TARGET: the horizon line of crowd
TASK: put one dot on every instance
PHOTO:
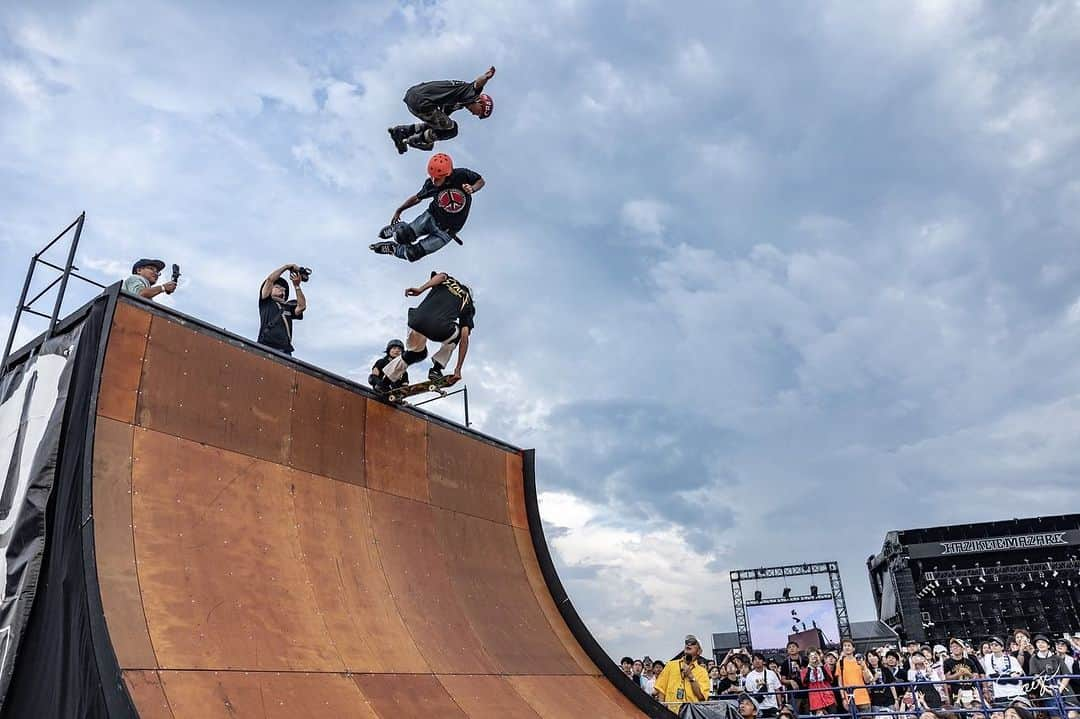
(1020, 678)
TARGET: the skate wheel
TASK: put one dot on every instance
(393, 398)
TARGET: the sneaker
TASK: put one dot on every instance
(397, 134)
(388, 232)
(383, 248)
(435, 373)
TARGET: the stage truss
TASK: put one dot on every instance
(835, 593)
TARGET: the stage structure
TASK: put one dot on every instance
(765, 580)
(976, 580)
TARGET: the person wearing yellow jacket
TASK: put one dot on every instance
(684, 679)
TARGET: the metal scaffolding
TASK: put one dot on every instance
(835, 593)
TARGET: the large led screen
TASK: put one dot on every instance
(771, 624)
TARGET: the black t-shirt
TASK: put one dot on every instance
(450, 204)
(447, 95)
(792, 668)
(949, 666)
(275, 323)
(728, 686)
(380, 364)
(880, 694)
(1025, 660)
(446, 307)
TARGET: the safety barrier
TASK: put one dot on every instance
(1044, 696)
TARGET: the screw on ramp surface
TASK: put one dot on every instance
(272, 543)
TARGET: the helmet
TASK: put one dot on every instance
(439, 166)
(395, 343)
(486, 105)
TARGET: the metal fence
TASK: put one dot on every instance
(1042, 695)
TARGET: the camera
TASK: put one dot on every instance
(304, 272)
(175, 272)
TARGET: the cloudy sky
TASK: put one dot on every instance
(759, 281)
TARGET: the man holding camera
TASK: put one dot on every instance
(763, 684)
(851, 671)
(1006, 671)
(144, 275)
(276, 311)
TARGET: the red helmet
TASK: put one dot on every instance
(486, 105)
(440, 165)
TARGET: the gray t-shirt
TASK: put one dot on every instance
(135, 284)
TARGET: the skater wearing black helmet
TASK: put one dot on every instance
(433, 102)
(451, 190)
(394, 348)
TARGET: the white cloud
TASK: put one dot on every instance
(774, 256)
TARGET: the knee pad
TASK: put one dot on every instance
(411, 357)
(404, 233)
(446, 134)
(422, 141)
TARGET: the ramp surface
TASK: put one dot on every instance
(274, 543)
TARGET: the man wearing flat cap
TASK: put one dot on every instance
(685, 678)
(1047, 668)
(144, 275)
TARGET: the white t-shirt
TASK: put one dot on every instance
(752, 685)
(135, 284)
(1005, 664)
(648, 683)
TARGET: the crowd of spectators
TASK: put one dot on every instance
(1022, 677)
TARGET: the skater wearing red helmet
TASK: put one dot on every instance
(432, 103)
(451, 190)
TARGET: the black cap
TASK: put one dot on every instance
(156, 264)
(1042, 637)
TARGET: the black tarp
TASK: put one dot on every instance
(712, 710)
(55, 673)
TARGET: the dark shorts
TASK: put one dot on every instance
(432, 328)
(433, 115)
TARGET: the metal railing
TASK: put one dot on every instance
(1049, 699)
(66, 271)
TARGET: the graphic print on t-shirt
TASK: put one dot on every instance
(449, 202)
(452, 200)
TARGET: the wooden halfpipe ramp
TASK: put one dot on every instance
(271, 541)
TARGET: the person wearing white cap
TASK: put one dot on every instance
(1005, 670)
(685, 678)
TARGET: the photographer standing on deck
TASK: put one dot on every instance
(144, 275)
(276, 311)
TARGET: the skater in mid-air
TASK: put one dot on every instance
(433, 102)
(451, 190)
(445, 316)
(394, 348)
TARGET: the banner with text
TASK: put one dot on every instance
(1039, 540)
